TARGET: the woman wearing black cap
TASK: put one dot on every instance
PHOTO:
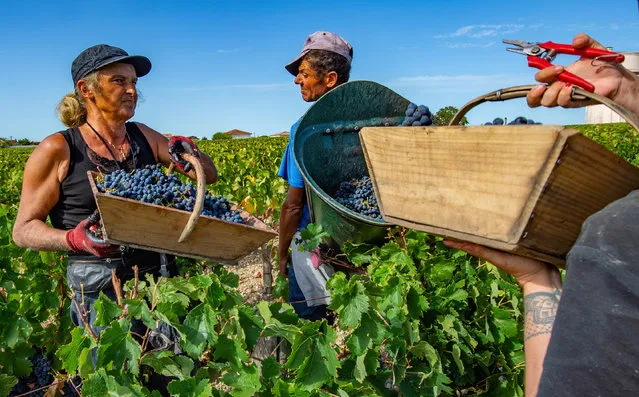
(98, 138)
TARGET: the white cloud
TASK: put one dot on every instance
(480, 31)
(222, 51)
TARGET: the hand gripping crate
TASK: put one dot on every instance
(523, 189)
(162, 229)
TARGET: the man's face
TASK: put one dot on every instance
(311, 87)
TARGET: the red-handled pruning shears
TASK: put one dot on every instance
(541, 55)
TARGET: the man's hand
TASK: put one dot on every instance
(607, 78)
(178, 145)
(79, 240)
(284, 260)
(525, 270)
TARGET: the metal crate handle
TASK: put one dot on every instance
(199, 197)
(521, 91)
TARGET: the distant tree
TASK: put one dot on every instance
(204, 138)
(24, 141)
(446, 114)
(221, 135)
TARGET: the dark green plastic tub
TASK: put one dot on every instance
(327, 150)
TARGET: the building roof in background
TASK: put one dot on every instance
(283, 133)
(238, 132)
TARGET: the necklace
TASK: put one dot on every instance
(104, 141)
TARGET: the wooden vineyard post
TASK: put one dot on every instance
(267, 272)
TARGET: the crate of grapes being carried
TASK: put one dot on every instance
(328, 153)
(173, 217)
(525, 189)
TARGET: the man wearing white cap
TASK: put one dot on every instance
(323, 64)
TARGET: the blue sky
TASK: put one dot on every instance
(219, 65)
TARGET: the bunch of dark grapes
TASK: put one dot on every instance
(151, 185)
(417, 115)
(517, 121)
(358, 195)
(40, 377)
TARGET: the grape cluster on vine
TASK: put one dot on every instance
(40, 377)
(517, 121)
(151, 185)
(417, 115)
(358, 195)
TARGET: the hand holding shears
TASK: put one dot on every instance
(541, 55)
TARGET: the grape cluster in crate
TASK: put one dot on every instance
(417, 115)
(517, 121)
(151, 185)
(358, 195)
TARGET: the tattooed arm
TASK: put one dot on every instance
(541, 299)
(541, 284)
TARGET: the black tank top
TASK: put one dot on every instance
(76, 200)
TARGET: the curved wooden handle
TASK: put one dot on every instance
(199, 198)
(522, 90)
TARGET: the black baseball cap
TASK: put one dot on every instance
(101, 55)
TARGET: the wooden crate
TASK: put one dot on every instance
(522, 189)
(156, 228)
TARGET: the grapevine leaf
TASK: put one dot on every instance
(166, 364)
(17, 362)
(70, 354)
(359, 254)
(17, 331)
(370, 331)
(228, 349)
(271, 369)
(504, 321)
(312, 236)
(457, 358)
(448, 325)
(199, 329)
(274, 321)
(281, 287)
(252, 325)
(106, 310)
(360, 369)
(138, 309)
(117, 346)
(48, 257)
(6, 384)
(348, 299)
(215, 294)
(245, 381)
(85, 362)
(191, 387)
(99, 384)
(318, 359)
(458, 295)
(424, 350)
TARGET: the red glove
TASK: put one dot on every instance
(179, 145)
(81, 240)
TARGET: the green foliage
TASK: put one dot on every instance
(621, 138)
(221, 136)
(445, 115)
(421, 319)
(247, 170)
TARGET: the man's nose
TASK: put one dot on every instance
(298, 80)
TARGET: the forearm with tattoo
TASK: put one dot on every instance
(541, 310)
